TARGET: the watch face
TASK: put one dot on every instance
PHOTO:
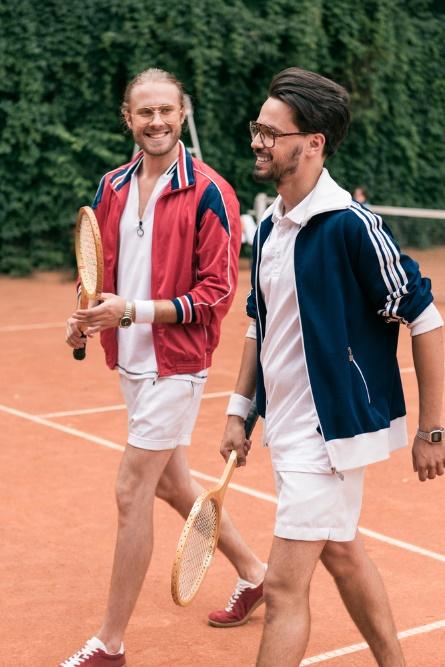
(436, 436)
(125, 322)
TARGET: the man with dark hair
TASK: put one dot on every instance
(329, 290)
(170, 230)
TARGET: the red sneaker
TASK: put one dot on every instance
(245, 599)
(93, 654)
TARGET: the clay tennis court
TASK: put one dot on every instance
(63, 427)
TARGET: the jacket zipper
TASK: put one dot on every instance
(257, 278)
(205, 350)
(333, 468)
(353, 361)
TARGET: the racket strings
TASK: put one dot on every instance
(87, 245)
(198, 549)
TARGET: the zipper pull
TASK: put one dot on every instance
(155, 379)
(140, 229)
(350, 355)
(338, 473)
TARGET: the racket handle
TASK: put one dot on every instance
(80, 352)
(251, 419)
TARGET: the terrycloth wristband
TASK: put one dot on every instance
(238, 405)
(251, 331)
(145, 311)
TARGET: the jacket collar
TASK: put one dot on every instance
(183, 171)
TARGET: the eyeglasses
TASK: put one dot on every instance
(268, 134)
(166, 111)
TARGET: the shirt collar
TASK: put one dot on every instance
(326, 196)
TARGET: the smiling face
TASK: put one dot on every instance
(155, 116)
(277, 163)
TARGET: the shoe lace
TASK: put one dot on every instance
(79, 657)
(239, 589)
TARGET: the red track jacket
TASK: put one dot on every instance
(195, 248)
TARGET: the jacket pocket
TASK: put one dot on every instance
(363, 379)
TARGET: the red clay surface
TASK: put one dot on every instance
(58, 518)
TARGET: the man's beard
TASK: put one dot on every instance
(277, 172)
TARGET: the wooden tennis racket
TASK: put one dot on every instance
(90, 263)
(199, 537)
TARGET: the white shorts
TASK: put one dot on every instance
(313, 506)
(161, 415)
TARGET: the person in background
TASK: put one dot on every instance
(361, 196)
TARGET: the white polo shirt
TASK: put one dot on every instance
(291, 418)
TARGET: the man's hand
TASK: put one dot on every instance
(234, 438)
(73, 334)
(105, 316)
(428, 460)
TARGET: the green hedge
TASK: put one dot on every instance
(64, 66)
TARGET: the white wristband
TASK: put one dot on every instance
(251, 331)
(145, 311)
(238, 405)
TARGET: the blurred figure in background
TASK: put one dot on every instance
(360, 194)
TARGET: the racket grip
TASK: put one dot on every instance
(80, 352)
(251, 419)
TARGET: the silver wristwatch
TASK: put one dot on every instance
(434, 437)
(128, 317)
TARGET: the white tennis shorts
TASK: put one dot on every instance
(314, 506)
(161, 414)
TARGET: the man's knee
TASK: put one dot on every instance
(281, 591)
(342, 559)
(134, 487)
(126, 493)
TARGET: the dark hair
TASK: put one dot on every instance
(319, 104)
(151, 75)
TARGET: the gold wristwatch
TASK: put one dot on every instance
(129, 315)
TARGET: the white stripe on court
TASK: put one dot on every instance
(118, 406)
(402, 545)
(84, 411)
(354, 648)
(60, 427)
(236, 487)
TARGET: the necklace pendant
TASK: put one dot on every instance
(140, 231)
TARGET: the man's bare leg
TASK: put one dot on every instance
(180, 490)
(365, 598)
(286, 590)
(138, 476)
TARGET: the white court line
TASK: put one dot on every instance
(31, 327)
(322, 657)
(354, 648)
(118, 406)
(236, 487)
(60, 427)
(84, 411)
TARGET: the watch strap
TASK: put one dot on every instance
(129, 312)
(435, 436)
